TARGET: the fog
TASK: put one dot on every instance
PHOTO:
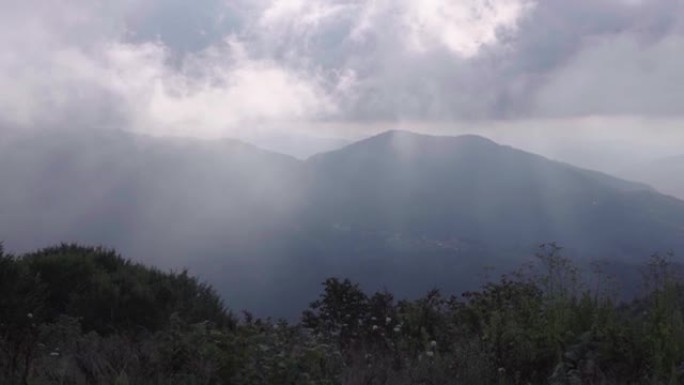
(266, 228)
(178, 133)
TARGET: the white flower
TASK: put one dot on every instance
(375, 327)
(388, 320)
(54, 354)
(29, 315)
(397, 329)
(433, 344)
(430, 353)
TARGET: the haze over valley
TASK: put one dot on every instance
(398, 210)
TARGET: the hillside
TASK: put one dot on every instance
(470, 188)
(399, 210)
(666, 174)
(145, 195)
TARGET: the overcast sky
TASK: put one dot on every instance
(216, 68)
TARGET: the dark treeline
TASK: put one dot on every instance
(79, 315)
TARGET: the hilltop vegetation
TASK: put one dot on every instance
(79, 315)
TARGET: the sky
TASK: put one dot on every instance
(344, 68)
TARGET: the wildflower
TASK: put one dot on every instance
(388, 320)
(397, 329)
(29, 315)
(433, 344)
(375, 327)
(430, 353)
(54, 354)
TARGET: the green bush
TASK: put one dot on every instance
(78, 315)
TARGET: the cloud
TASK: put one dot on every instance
(462, 27)
(74, 73)
(219, 89)
(219, 67)
(450, 61)
(619, 76)
(408, 60)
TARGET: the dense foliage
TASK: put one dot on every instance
(75, 315)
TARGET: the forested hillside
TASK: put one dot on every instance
(80, 315)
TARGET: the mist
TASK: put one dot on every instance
(188, 136)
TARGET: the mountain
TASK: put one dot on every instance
(399, 210)
(470, 188)
(174, 202)
(665, 174)
(436, 210)
(298, 145)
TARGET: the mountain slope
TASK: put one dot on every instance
(666, 175)
(141, 194)
(470, 188)
(404, 211)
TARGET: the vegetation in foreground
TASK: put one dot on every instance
(78, 315)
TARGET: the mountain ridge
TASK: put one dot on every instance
(402, 210)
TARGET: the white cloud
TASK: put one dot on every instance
(620, 76)
(51, 76)
(291, 60)
(269, 63)
(212, 93)
(464, 27)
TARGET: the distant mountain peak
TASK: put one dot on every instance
(410, 143)
(399, 137)
(396, 134)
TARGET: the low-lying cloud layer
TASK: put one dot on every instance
(223, 68)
